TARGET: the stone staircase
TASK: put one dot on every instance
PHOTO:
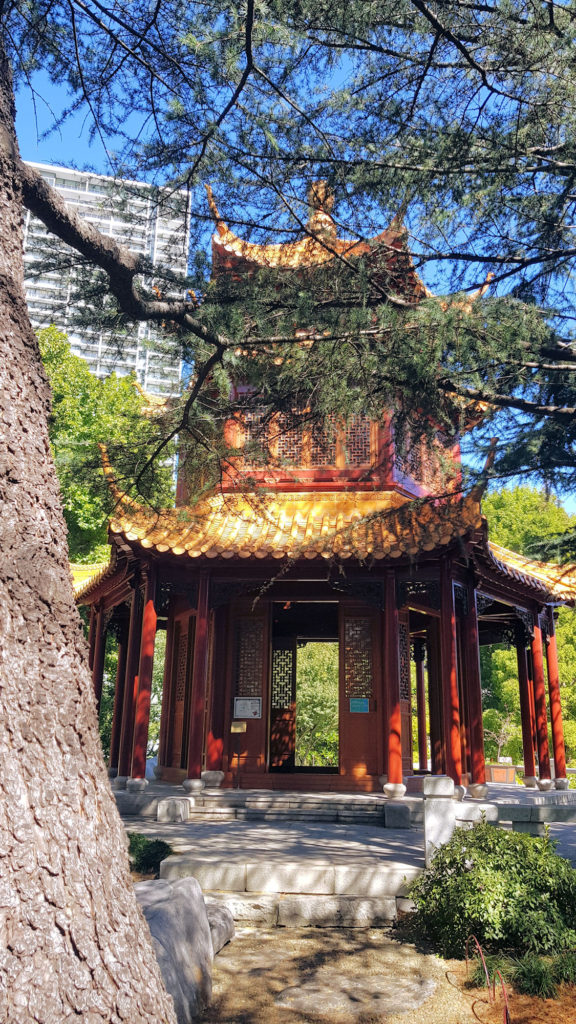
(301, 893)
(274, 806)
(288, 859)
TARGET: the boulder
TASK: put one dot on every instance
(181, 937)
(221, 924)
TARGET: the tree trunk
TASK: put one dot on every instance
(73, 944)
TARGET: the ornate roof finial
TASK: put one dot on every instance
(320, 222)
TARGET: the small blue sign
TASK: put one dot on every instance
(359, 705)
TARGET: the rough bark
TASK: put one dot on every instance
(73, 943)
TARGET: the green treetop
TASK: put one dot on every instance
(86, 412)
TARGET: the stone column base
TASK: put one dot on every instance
(545, 785)
(530, 781)
(193, 785)
(561, 783)
(478, 790)
(394, 790)
(136, 785)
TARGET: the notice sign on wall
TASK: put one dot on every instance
(247, 707)
(359, 705)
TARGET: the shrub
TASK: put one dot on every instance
(146, 854)
(510, 890)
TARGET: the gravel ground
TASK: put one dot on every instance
(350, 976)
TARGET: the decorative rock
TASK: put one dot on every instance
(136, 785)
(212, 779)
(545, 785)
(178, 923)
(438, 785)
(221, 924)
(394, 790)
(530, 782)
(193, 785)
(561, 783)
(478, 790)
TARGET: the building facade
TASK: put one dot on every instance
(134, 214)
(340, 539)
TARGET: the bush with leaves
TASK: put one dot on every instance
(510, 890)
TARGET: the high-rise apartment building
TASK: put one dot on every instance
(147, 221)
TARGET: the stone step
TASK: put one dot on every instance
(272, 910)
(375, 879)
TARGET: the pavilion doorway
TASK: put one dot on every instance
(305, 686)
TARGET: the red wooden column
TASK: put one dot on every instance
(118, 699)
(450, 702)
(392, 675)
(167, 694)
(199, 682)
(525, 686)
(540, 702)
(92, 635)
(142, 708)
(130, 683)
(555, 705)
(473, 685)
(99, 654)
(419, 656)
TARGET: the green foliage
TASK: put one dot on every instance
(508, 889)
(145, 854)
(564, 965)
(317, 705)
(520, 517)
(88, 411)
(534, 975)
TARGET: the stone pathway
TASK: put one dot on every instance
(340, 976)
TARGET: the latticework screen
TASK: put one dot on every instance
(249, 657)
(358, 657)
(427, 461)
(404, 645)
(181, 662)
(282, 693)
(357, 442)
(323, 445)
(289, 442)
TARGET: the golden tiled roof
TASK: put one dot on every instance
(366, 525)
(84, 577)
(558, 580)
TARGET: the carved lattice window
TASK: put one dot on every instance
(358, 657)
(357, 442)
(181, 662)
(404, 652)
(256, 435)
(323, 445)
(426, 460)
(249, 657)
(289, 443)
(282, 693)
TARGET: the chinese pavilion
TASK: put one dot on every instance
(333, 543)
